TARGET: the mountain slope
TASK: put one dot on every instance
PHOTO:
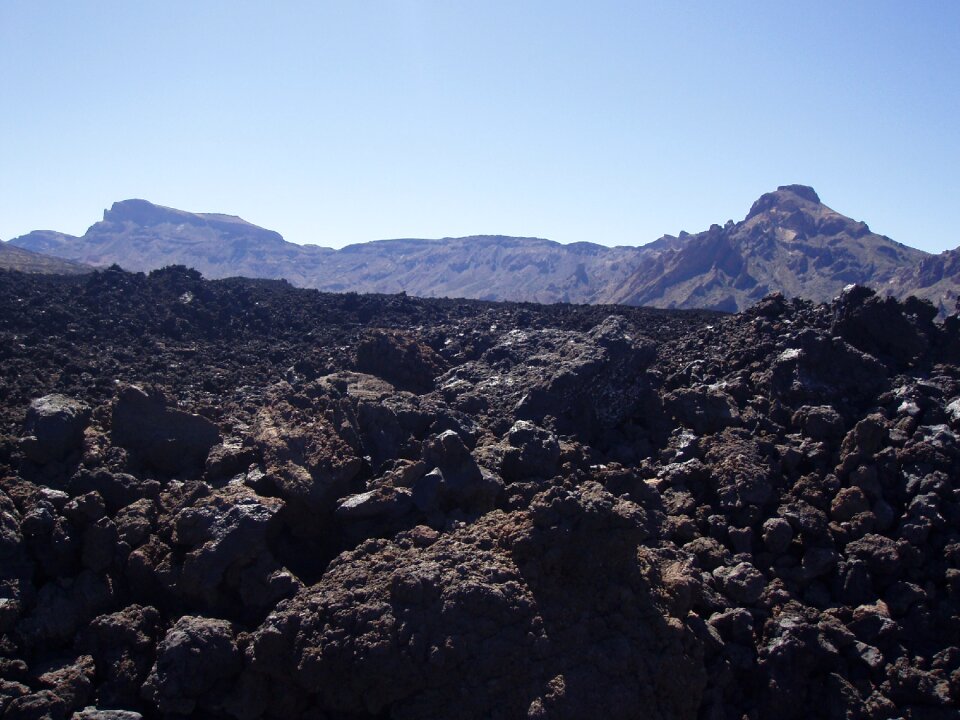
(789, 242)
(935, 278)
(141, 236)
(16, 258)
(487, 267)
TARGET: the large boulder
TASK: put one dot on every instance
(307, 461)
(584, 382)
(196, 665)
(400, 359)
(879, 326)
(63, 609)
(228, 566)
(702, 409)
(532, 451)
(821, 368)
(71, 681)
(54, 428)
(122, 644)
(455, 480)
(163, 438)
(544, 613)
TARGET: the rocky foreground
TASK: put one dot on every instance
(236, 499)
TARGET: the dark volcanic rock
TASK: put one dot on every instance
(531, 452)
(456, 480)
(92, 713)
(163, 438)
(196, 660)
(122, 644)
(517, 511)
(225, 539)
(590, 380)
(116, 489)
(402, 361)
(881, 326)
(477, 612)
(54, 428)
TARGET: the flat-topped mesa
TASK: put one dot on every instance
(144, 214)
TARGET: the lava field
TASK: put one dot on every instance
(236, 500)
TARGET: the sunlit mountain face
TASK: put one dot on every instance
(789, 242)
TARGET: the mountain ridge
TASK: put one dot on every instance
(789, 241)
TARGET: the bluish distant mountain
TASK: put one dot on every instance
(789, 242)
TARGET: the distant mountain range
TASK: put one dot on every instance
(788, 242)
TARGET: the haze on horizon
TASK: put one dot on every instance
(336, 123)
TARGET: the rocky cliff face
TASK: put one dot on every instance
(238, 500)
(789, 242)
(935, 278)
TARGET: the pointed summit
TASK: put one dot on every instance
(790, 242)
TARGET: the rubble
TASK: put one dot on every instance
(273, 503)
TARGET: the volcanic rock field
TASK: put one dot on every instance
(236, 499)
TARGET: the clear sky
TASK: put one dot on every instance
(611, 122)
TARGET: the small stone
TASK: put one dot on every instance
(777, 535)
(818, 561)
(381, 502)
(847, 503)
(742, 583)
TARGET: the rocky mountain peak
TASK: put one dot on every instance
(786, 198)
(804, 191)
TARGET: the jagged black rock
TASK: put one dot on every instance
(236, 499)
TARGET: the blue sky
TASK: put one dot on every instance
(611, 122)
